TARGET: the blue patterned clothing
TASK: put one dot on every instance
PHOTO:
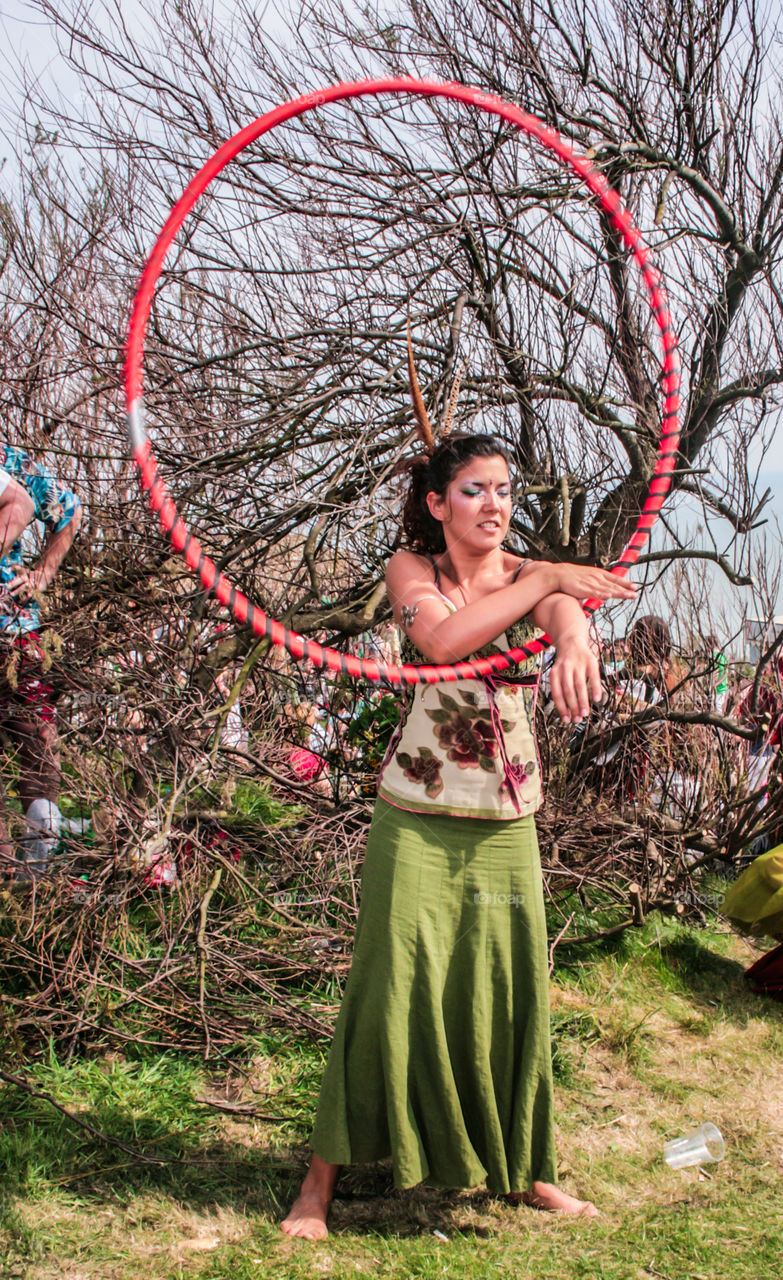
(54, 505)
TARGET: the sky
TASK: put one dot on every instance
(28, 37)
(32, 39)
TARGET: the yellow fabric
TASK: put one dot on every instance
(754, 903)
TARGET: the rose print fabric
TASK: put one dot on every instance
(467, 747)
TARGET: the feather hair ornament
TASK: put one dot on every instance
(423, 425)
(453, 396)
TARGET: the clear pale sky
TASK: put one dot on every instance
(32, 39)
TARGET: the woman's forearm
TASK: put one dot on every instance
(482, 621)
(562, 618)
(450, 639)
(575, 675)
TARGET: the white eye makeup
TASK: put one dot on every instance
(471, 492)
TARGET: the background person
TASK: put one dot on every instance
(649, 660)
(759, 754)
(29, 492)
(643, 680)
(718, 674)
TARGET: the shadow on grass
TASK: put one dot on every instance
(715, 981)
(366, 1202)
(685, 959)
(40, 1149)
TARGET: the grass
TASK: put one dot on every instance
(653, 1033)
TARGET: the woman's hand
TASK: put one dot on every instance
(575, 674)
(584, 581)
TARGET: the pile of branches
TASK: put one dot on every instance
(220, 897)
(277, 399)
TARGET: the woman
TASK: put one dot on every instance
(649, 645)
(645, 680)
(441, 1054)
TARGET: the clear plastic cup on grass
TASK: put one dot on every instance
(702, 1146)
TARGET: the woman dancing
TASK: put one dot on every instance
(441, 1055)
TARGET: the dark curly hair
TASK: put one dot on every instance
(649, 641)
(434, 473)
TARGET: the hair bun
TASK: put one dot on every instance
(413, 464)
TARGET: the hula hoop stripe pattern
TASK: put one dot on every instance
(186, 543)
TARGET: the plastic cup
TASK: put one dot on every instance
(700, 1147)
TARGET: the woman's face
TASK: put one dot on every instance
(476, 508)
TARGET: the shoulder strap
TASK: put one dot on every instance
(519, 567)
(437, 570)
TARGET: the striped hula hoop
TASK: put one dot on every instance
(184, 542)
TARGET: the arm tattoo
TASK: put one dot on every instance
(408, 613)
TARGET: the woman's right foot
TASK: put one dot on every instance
(307, 1216)
(544, 1195)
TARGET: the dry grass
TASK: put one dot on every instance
(653, 1036)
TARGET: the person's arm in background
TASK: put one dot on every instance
(16, 511)
(56, 546)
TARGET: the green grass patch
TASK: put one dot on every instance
(652, 1034)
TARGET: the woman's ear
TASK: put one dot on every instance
(435, 505)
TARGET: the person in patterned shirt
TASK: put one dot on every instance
(28, 492)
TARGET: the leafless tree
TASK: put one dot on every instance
(276, 390)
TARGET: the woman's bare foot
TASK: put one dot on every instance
(546, 1196)
(307, 1216)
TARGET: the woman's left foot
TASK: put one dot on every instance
(544, 1195)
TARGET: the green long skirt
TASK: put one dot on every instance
(441, 1056)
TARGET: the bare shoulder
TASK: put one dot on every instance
(406, 568)
(416, 603)
(521, 566)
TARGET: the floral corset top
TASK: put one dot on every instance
(468, 747)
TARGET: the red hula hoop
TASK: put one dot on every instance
(187, 544)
